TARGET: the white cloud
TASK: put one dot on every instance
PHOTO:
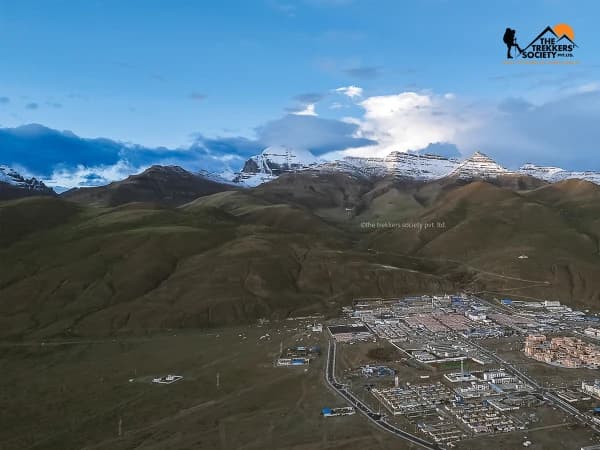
(408, 121)
(561, 132)
(90, 176)
(350, 91)
(587, 88)
(309, 110)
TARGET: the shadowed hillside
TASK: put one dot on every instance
(295, 246)
(165, 185)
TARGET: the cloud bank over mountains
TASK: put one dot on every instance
(561, 132)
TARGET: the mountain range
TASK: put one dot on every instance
(404, 165)
(171, 249)
(172, 185)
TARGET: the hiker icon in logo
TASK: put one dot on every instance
(511, 41)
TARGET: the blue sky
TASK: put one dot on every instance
(181, 73)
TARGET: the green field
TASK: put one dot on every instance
(72, 395)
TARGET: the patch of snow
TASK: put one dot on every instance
(479, 165)
(555, 174)
(12, 177)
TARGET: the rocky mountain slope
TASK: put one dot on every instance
(478, 166)
(272, 162)
(14, 185)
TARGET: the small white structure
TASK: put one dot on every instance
(167, 379)
(457, 377)
(523, 257)
(476, 316)
(592, 332)
(592, 388)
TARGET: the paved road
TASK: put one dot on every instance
(364, 409)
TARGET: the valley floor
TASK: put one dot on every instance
(72, 395)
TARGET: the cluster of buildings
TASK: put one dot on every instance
(564, 351)
(350, 333)
(549, 316)
(439, 352)
(413, 398)
(432, 330)
(491, 382)
(391, 329)
(444, 432)
(299, 355)
(377, 371)
(438, 410)
(481, 418)
(439, 316)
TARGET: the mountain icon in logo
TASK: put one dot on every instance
(559, 32)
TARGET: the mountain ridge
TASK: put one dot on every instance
(14, 185)
(166, 185)
(408, 165)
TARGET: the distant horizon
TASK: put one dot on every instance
(177, 158)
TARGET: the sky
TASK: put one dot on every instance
(207, 84)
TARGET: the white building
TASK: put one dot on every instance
(592, 388)
(476, 316)
(592, 332)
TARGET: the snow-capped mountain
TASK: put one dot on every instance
(479, 165)
(14, 185)
(419, 166)
(399, 164)
(225, 177)
(554, 174)
(274, 161)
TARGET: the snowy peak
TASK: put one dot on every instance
(275, 160)
(14, 185)
(272, 162)
(10, 176)
(555, 174)
(419, 166)
(479, 165)
(14, 178)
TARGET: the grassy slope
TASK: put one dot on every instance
(139, 268)
(236, 256)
